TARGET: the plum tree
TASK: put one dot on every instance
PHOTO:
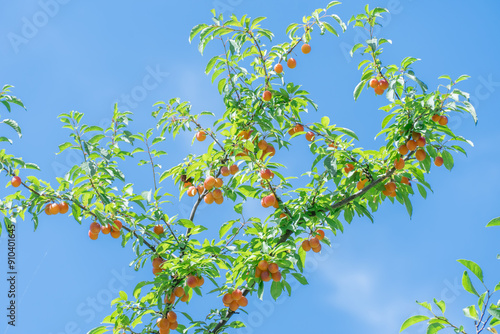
(263, 113)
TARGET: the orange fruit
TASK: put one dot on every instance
(270, 200)
(405, 180)
(200, 280)
(314, 242)
(201, 135)
(420, 155)
(361, 184)
(348, 167)
(373, 83)
(403, 150)
(310, 136)
(291, 63)
(443, 120)
(278, 68)
(225, 171)
(169, 299)
(421, 142)
(95, 228)
(306, 48)
(276, 276)
(234, 169)
(219, 200)
(171, 316)
(321, 234)
(209, 198)
(16, 181)
(227, 299)
(271, 150)
(192, 281)
(265, 174)
(273, 268)
(436, 118)
(179, 292)
(262, 145)
(115, 234)
(217, 194)
(63, 207)
(54, 209)
(173, 325)
(265, 276)
(243, 301)
(379, 90)
(306, 245)
(263, 265)
(93, 236)
(298, 128)
(163, 323)
(383, 84)
(258, 272)
(234, 305)
(47, 209)
(317, 249)
(158, 229)
(118, 226)
(237, 294)
(411, 145)
(390, 186)
(438, 161)
(399, 163)
(157, 261)
(192, 191)
(267, 96)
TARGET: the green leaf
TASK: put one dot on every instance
(434, 328)
(13, 124)
(462, 77)
(470, 108)
(276, 289)
(3, 139)
(347, 131)
(98, 330)
(422, 190)
(299, 277)
(89, 168)
(448, 160)
(473, 267)
(123, 295)
(186, 223)
(330, 164)
(426, 305)
(494, 310)
(238, 208)
(467, 284)
(196, 29)
(471, 312)
(325, 120)
(441, 304)
(359, 89)
(64, 146)
(412, 321)
(225, 228)
(494, 222)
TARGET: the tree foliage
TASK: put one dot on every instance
(262, 118)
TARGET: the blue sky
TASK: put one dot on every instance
(86, 56)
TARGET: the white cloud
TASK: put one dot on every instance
(361, 292)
